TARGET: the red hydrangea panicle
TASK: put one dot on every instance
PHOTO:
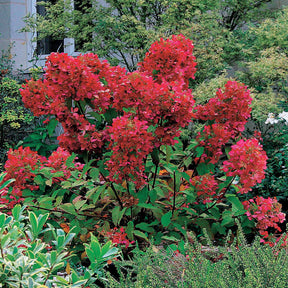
(165, 105)
(213, 138)
(9, 201)
(71, 78)
(266, 212)
(34, 96)
(57, 161)
(205, 187)
(118, 237)
(248, 161)
(130, 145)
(79, 134)
(22, 165)
(170, 60)
(230, 107)
(111, 76)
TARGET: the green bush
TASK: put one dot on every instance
(27, 261)
(237, 265)
(15, 119)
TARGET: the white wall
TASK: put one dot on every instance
(11, 15)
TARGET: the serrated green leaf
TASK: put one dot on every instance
(140, 234)
(117, 215)
(166, 219)
(69, 208)
(94, 174)
(236, 203)
(144, 227)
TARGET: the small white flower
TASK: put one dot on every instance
(284, 116)
(271, 119)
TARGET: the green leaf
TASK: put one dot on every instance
(2, 220)
(51, 126)
(141, 235)
(69, 208)
(110, 114)
(129, 230)
(169, 151)
(217, 227)
(145, 227)
(146, 205)
(117, 214)
(227, 218)
(69, 161)
(236, 203)
(204, 224)
(166, 219)
(94, 174)
(17, 212)
(199, 151)
(204, 168)
(155, 156)
(143, 195)
(6, 183)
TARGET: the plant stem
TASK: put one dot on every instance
(155, 174)
(114, 190)
(174, 193)
(196, 167)
(220, 197)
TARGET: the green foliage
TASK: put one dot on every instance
(275, 182)
(91, 205)
(6, 62)
(236, 265)
(14, 118)
(13, 113)
(27, 261)
(42, 139)
(123, 31)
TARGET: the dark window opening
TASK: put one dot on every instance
(82, 7)
(48, 45)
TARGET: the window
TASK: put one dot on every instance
(48, 44)
(42, 48)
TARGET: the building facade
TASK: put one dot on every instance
(12, 13)
(11, 21)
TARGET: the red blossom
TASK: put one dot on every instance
(213, 138)
(166, 106)
(229, 108)
(118, 237)
(266, 212)
(205, 186)
(170, 60)
(22, 165)
(57, 161)
(130, 144)
(248, 161)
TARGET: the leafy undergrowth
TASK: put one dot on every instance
(238, 265)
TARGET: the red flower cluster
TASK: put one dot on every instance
(118, 237)
(165, 105)
(57, 161)
(24, 164)
(267, 213)
(170, 60)
(229, 111)
(130, 144)
(213, 138)
(205, 187)
(248, 161)
(229, 108)
(69, 80)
